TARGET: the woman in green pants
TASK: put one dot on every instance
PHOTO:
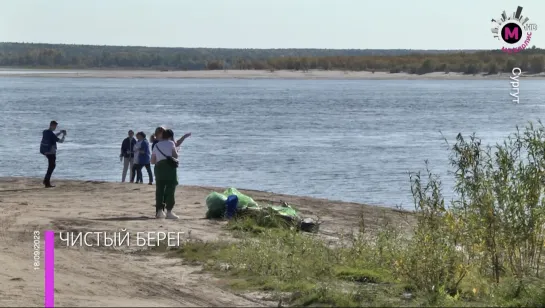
(166, 177)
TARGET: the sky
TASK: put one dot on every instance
(335, 24)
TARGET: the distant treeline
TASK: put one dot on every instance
(394, 61)
(92, 56)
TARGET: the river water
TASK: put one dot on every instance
(346, 140)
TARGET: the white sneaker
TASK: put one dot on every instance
(160, 214)
(171, 215)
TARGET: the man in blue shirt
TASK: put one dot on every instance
(48, 147)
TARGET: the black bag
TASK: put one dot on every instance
(45, 145)
(171, 160)
(44, 148)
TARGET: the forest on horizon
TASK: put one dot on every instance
(33, 55)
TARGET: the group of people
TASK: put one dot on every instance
(136, 153)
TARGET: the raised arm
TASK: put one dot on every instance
(55, 137)
(179, 142)
(61, 140)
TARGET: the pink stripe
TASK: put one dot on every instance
(49, 269)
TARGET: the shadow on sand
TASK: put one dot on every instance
(41, 187)
(124, 218)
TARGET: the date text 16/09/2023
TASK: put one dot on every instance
(36, 251)
(108, 239)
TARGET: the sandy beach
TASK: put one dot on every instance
(130, 276)
(251, 74)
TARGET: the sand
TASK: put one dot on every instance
(130, 276)
(251, 74)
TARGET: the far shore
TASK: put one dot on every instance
(252, 74)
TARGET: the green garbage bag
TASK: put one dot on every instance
(286, 211)
(279, 216)
(216, 205)
(243, 200)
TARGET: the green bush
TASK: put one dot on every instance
(485, 248)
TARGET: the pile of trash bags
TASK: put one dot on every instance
(232, 203)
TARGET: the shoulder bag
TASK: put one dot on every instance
(172, 161)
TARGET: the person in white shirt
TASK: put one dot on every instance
(166, 176)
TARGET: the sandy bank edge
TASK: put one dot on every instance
(253, 74)
(18, 180)
(123, 277)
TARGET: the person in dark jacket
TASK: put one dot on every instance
(143, 158)
(145, 152)
(48, 147)
(127, 155)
